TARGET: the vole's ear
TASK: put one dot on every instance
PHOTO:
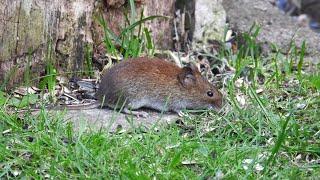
(187, 77)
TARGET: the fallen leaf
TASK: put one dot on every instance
(260, 90)
(189, 162)
(239, 82)
(241, 99)
(6, 131)
(258, 167)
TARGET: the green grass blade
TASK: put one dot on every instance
(281, 138)
(132, 26)
(301, 59)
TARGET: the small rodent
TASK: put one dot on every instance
(157, 84)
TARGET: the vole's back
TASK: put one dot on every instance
(137, 81)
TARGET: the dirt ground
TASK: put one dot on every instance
(276, 27)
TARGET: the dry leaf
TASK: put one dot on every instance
(260, 90)
(24, 91)
(239, 82)
(173, 146)
(241, 99)
(6, 131)
(189, 162)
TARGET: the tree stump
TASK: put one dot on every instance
(28, 28)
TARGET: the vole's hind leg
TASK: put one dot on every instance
(132, 106)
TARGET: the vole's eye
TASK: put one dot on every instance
(210, 93)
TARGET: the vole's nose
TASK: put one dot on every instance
(219, 103)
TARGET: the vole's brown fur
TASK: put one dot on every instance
(156, 84)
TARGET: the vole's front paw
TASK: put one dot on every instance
(141, 114)
(136, 113)
(181, 114)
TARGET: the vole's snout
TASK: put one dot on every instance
(216, 105)
(219, 103)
